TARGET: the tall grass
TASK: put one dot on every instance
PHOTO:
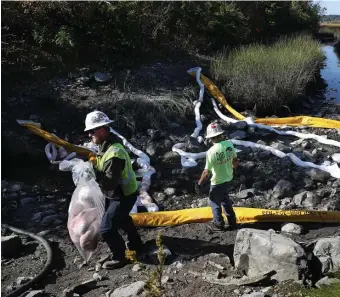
(268, 76)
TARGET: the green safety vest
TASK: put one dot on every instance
(128, 177)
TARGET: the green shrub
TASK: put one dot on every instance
(268, 76)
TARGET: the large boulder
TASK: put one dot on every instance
(282, 189)
(328, 252)
(259, 251)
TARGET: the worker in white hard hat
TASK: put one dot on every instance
(221, 160)
(118, 182)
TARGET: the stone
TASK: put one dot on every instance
(299, 198)
(326, 281)
(37, 216)
(130, 290)
(85, 286)
(10, 245)
(35, 293)
(311, 200)
(136, 267)
(153, 254)
(102, 77)
(170, 191)
(254, 294)
(96, 276)
(264, 155)
(328, 252)
(23, 280)
(317, 174)
(26, 200)
(152, 149)
(68, 292)
(49, 220)
(281, 147)
(170, 155)
(258, 251)
(282, 189)
(239, 125)
(291, 228)
(203, 202)
(246, 193)
(258, 185)
(238, 135)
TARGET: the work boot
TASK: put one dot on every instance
(115, 264)
(217, 227)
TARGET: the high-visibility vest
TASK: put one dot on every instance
(128, 177)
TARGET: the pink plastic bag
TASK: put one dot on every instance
(86, 207)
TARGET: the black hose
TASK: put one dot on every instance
(46, 268)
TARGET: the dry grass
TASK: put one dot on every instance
(268, 76)
(332, 25)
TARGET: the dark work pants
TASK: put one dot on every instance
(218, 198)
(116, 217)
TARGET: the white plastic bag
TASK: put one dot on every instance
(86, 208)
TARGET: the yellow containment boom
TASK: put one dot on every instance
(244, 215)
(203, 214)
(290, 121)
(84, 152)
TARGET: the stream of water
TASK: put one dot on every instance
(331, 73)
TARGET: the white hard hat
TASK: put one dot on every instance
(213, 130)
(96, 119)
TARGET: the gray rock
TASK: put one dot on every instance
(130, 290)
(317, 174)
(326, 281)
(264, 155)
(247, 291)
(171, 155)
(237, 291)
(238, 135)
(174, 125)
(239, 125)
(37, 217)
(254, 294)
(282, 188)
(168, 144)
(328, 252)
(291, 228)
(102, 77)
(258, 185)
(281, 147)
(160, 197)
(49, 220)
(23, 280)
(203, 202)
(96, 276)
(35, 293)
(257, 251)
(27, 200)
(261, 142)
(311, 200)
(299, 198)
(153, 254)
(152, 149)
(136, 267)
(85, 286)
(170, 191)
(246, 193)
(10, 245)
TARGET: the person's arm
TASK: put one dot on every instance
(206, 171)
(204, 176)
(109, 178)
(235, 163)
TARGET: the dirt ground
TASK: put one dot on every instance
(192, 246)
